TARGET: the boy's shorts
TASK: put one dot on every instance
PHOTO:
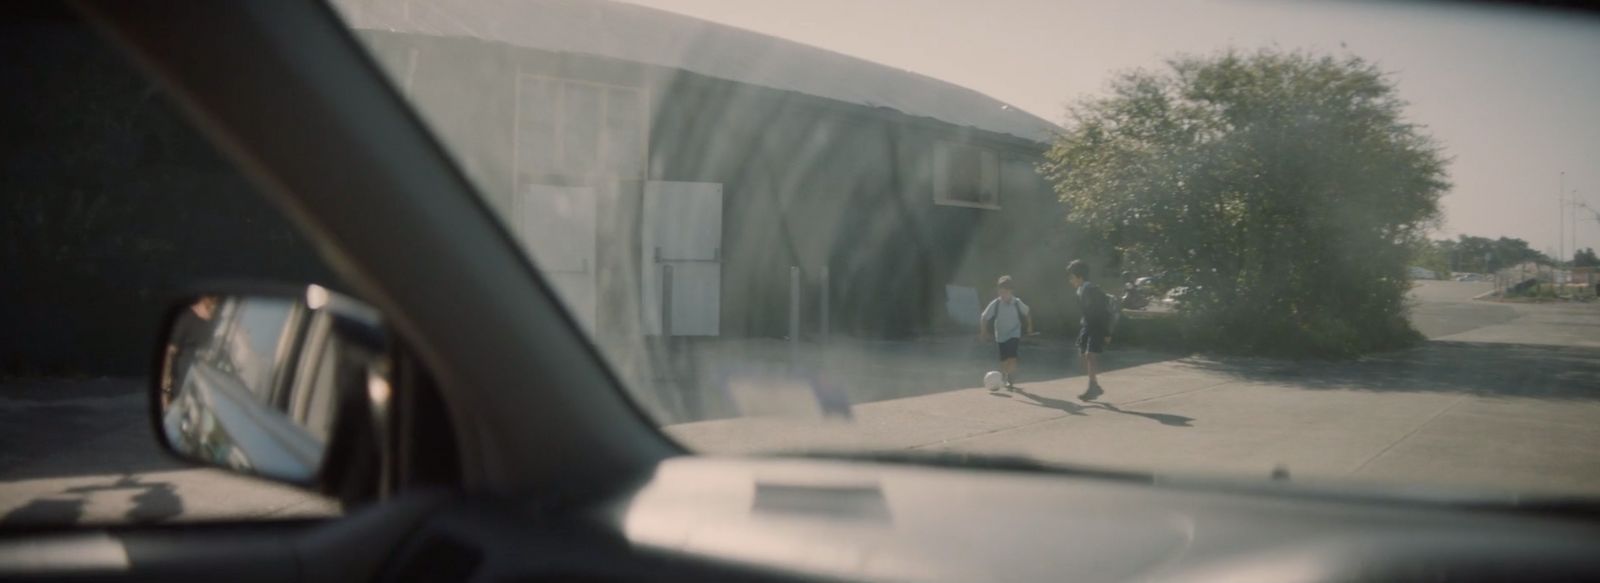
(1008, 349)
(1091, 342)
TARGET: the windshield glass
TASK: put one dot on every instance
(1344, 242)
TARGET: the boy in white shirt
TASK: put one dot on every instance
(1004, 320)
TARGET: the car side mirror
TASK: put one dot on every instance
(288, 385)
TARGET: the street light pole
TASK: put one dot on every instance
(1561, 224)
(1561, 233)
(1572, 220)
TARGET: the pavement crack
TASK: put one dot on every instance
(989, 432)
(1408, 434)
(1179, 393)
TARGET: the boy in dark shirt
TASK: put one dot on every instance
(190, 335)
(1094, 330)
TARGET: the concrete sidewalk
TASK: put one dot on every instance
(705, 371)
(1509, 405)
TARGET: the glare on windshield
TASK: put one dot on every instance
(1328, 241)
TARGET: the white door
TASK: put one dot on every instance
(682, 230)
(556, 225)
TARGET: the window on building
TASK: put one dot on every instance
(624, 132)
(575, 128)
(966, 175)
(538, 138)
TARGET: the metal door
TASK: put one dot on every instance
(682, 258)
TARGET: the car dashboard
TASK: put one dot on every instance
(778, 519)
(809, 520)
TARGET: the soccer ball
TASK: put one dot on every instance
(993, 380)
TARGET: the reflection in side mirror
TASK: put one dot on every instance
(262, 384)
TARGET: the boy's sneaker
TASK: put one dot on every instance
(1093, 393)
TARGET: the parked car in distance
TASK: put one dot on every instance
(1158, 283)
(1178, 294)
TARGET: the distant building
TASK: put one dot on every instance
(624, 142)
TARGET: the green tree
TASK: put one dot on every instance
(1288, 187)
(1585, 258)
(1484, 255)
(1434, 256)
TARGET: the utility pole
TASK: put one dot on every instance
(1561, 232)
(1572, 219)
(1584, 205)
(1561, 224)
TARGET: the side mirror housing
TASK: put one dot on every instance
(290, 385)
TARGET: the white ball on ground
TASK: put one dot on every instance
(993, 380)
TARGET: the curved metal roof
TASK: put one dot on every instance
(645, 35)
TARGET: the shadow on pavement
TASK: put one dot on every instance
(153, 502)
(1477, 368)
(45, 511)
(860, 371)
(1073, 408)
(1038, 400)
(1162, 418)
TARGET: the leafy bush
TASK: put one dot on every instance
(1150, 330)
(1286, 190)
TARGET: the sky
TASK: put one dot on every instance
(1513, 96)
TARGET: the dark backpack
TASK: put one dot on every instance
(1101, 301)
